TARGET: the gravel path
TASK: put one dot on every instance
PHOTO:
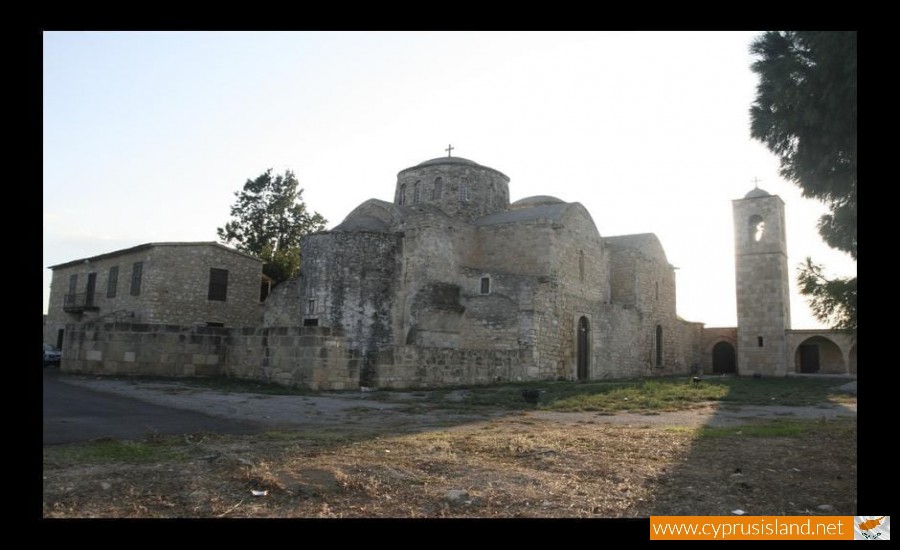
(363, 410)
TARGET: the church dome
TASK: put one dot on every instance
(448, 160)
(536, 200)
(459, 187)
(756, 193)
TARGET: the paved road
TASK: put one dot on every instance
(73, 414)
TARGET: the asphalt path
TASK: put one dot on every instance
(74, 414)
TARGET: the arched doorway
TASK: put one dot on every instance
(584, 331)
(819, 355)
(724, 359)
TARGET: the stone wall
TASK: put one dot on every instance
(349, 282)
(309, 357)
(406, 367)
(625, 349)
(144, 349)
(177, 279)
(284, 304)
(689, 350)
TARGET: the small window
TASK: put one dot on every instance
(438, 190)
(112, 282)
(659, 345)
(485, 285)
(310, 307)
(218, 284)
(759, 341)
(464, 190)
(657, 291)
(212, 324)
(310, 322)
(401, 200)
(757, 228)
(416, 192)
(137, 271)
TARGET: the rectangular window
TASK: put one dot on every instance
(310, 322)
(69, 298)
(310, 307)
(218, 284)
(73, 284)
(485, 285)
(89, 291)
(112, 282)
(213, 324)
(759, 341)
(137, 271)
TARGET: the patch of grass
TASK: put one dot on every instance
(279, 435)
(113, 450)
(788, 391)
(778, 428)
(680, 429)
(642, 395)
(651, 395)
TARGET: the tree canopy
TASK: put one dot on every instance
(268, 219)
(805, 113)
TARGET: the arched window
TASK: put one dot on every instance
(438, 190)
(416, 193)
(464, 190)
(757, 228)
(659, 346)
(401, 200)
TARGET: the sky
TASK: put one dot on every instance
(148, 135)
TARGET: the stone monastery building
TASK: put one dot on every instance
(450, 284)
(450, 266)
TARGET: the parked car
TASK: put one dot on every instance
(52, 355)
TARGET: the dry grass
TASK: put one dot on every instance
(510, 467)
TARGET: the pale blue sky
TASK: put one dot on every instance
(147, 135)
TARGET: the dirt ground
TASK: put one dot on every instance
(403, 455)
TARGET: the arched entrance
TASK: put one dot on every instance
(819, 355)
(724, 359)
(584, 332)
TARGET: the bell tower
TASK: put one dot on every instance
(763, 290)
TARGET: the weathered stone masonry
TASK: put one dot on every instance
(311, 357)
(450, 284)
(171, 286)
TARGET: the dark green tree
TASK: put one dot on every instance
(269, 218)
(805, 113)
